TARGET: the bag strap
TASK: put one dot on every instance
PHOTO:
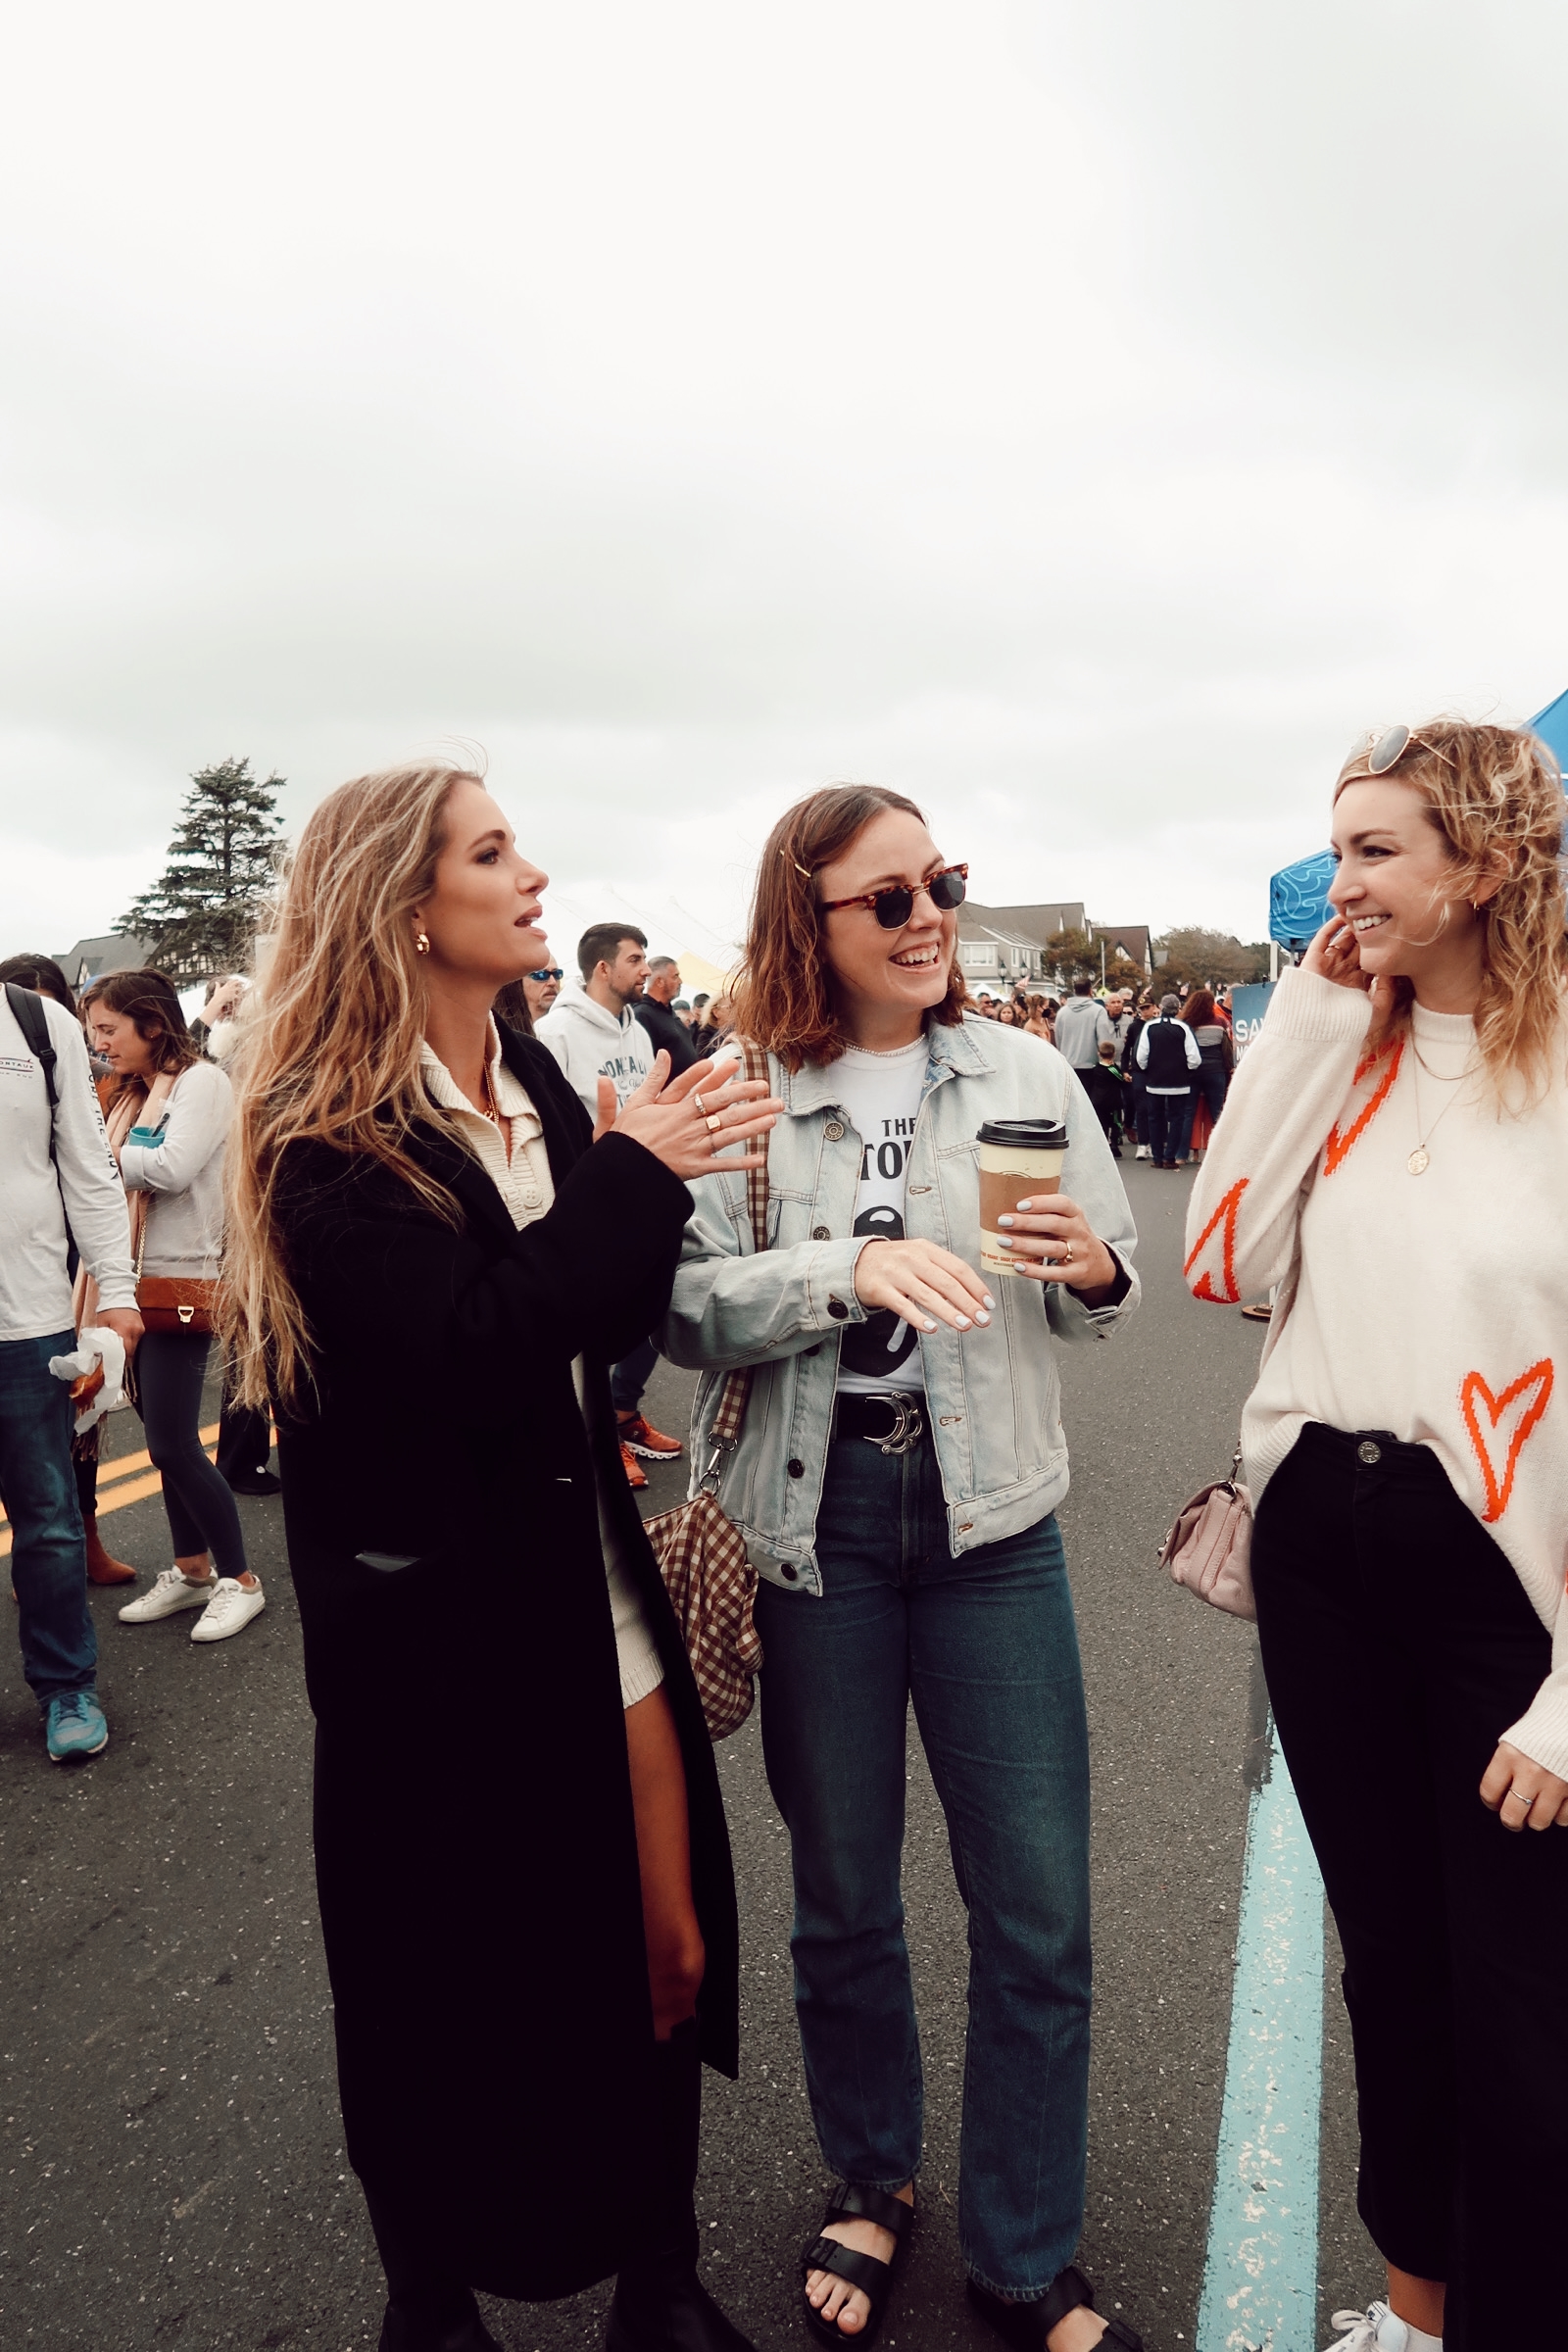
(33, 1023)
(730, 1417)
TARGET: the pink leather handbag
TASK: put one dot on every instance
(1209, 1547)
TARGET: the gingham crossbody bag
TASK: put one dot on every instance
(701, 1557)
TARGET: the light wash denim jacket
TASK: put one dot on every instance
(993, 1393)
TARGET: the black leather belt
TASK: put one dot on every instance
(894, 1420)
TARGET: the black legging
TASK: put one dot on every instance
(171, 1367)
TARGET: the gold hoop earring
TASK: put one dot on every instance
(422, 944)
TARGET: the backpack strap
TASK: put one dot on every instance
(33, 1021)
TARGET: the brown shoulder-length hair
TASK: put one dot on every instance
(783, 992)
(1200, 1006)
(148, 1000)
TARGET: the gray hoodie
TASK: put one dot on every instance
(591, 1044)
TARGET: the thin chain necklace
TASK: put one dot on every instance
(1420, 1159)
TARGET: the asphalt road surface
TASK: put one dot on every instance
(173, 2172)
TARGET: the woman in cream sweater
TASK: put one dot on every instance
(1392, 1154)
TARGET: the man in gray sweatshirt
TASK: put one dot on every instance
(593, 1031)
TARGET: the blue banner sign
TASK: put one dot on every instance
(1248, 1007)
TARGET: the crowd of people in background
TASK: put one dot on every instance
(1168, 1118)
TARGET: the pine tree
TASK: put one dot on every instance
(201, 916)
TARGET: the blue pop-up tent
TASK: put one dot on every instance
(1298, 894)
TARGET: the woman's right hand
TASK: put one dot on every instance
(923, 1284)
(670, 1117)
(1334, 955)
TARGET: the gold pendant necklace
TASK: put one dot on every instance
(1420, 1159)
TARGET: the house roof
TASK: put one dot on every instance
(980, 923)
(1034, 924)
(112, 952)
(1131, 938)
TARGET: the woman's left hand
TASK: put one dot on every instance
(1051, 1239)
(1510, 1778)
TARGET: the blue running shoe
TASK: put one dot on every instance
(77, 1727)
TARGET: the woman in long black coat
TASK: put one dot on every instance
(526, 1887)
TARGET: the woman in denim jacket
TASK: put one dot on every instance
(896, 1479)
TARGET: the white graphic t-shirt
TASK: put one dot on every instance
(881, 1093)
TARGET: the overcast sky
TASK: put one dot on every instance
(1086, 418)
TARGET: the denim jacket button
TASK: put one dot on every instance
(796, 1469)
(837, 1309)
(788, 1571)
(834, 1131)
(821, 1233)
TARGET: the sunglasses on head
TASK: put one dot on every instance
(1381, 753)
(893, 907)
(548, 971)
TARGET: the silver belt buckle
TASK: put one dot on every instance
(907, 1427)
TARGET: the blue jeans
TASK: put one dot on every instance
(987, 1647)
(48, 1561)
(630, 1378)
(1170, 1124)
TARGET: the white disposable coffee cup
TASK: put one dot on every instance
(1021, 1160)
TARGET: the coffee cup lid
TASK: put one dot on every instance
(1025, 1135)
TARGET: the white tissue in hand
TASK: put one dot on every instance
(98, 1343)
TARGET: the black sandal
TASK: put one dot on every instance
(1026, 2326)
(873, 2278)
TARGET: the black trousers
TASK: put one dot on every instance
(1399, 1646)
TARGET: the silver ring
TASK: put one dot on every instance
(1520, 1797)
(701, 1106)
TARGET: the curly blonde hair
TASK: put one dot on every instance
(331, 1046)
(1495, 796)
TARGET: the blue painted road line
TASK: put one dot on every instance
(1260, 2274)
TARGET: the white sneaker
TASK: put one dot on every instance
(1143, 1153)
(172, 1593)
(229, 1611)
(1378, 2329)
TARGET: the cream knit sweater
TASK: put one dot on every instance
(1429, 1305)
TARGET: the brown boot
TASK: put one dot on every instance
(101, 1569)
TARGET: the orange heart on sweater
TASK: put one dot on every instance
(1204, 1287)
(1338, 1145)
(1536, 1387)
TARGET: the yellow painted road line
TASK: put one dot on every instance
(125, 1463)
(131, 1478)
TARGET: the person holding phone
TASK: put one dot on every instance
(524, 1876)
(1392, 1156)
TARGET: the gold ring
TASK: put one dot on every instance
(701, 1106)
(714, 1122)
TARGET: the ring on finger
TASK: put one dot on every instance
(713, 1121)
(1520, 1797)
(701, 1106)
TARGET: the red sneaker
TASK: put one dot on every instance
(650, 1443)
(635, 1474)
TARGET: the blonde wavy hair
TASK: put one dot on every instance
(1495, 796)
(330, 1050)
